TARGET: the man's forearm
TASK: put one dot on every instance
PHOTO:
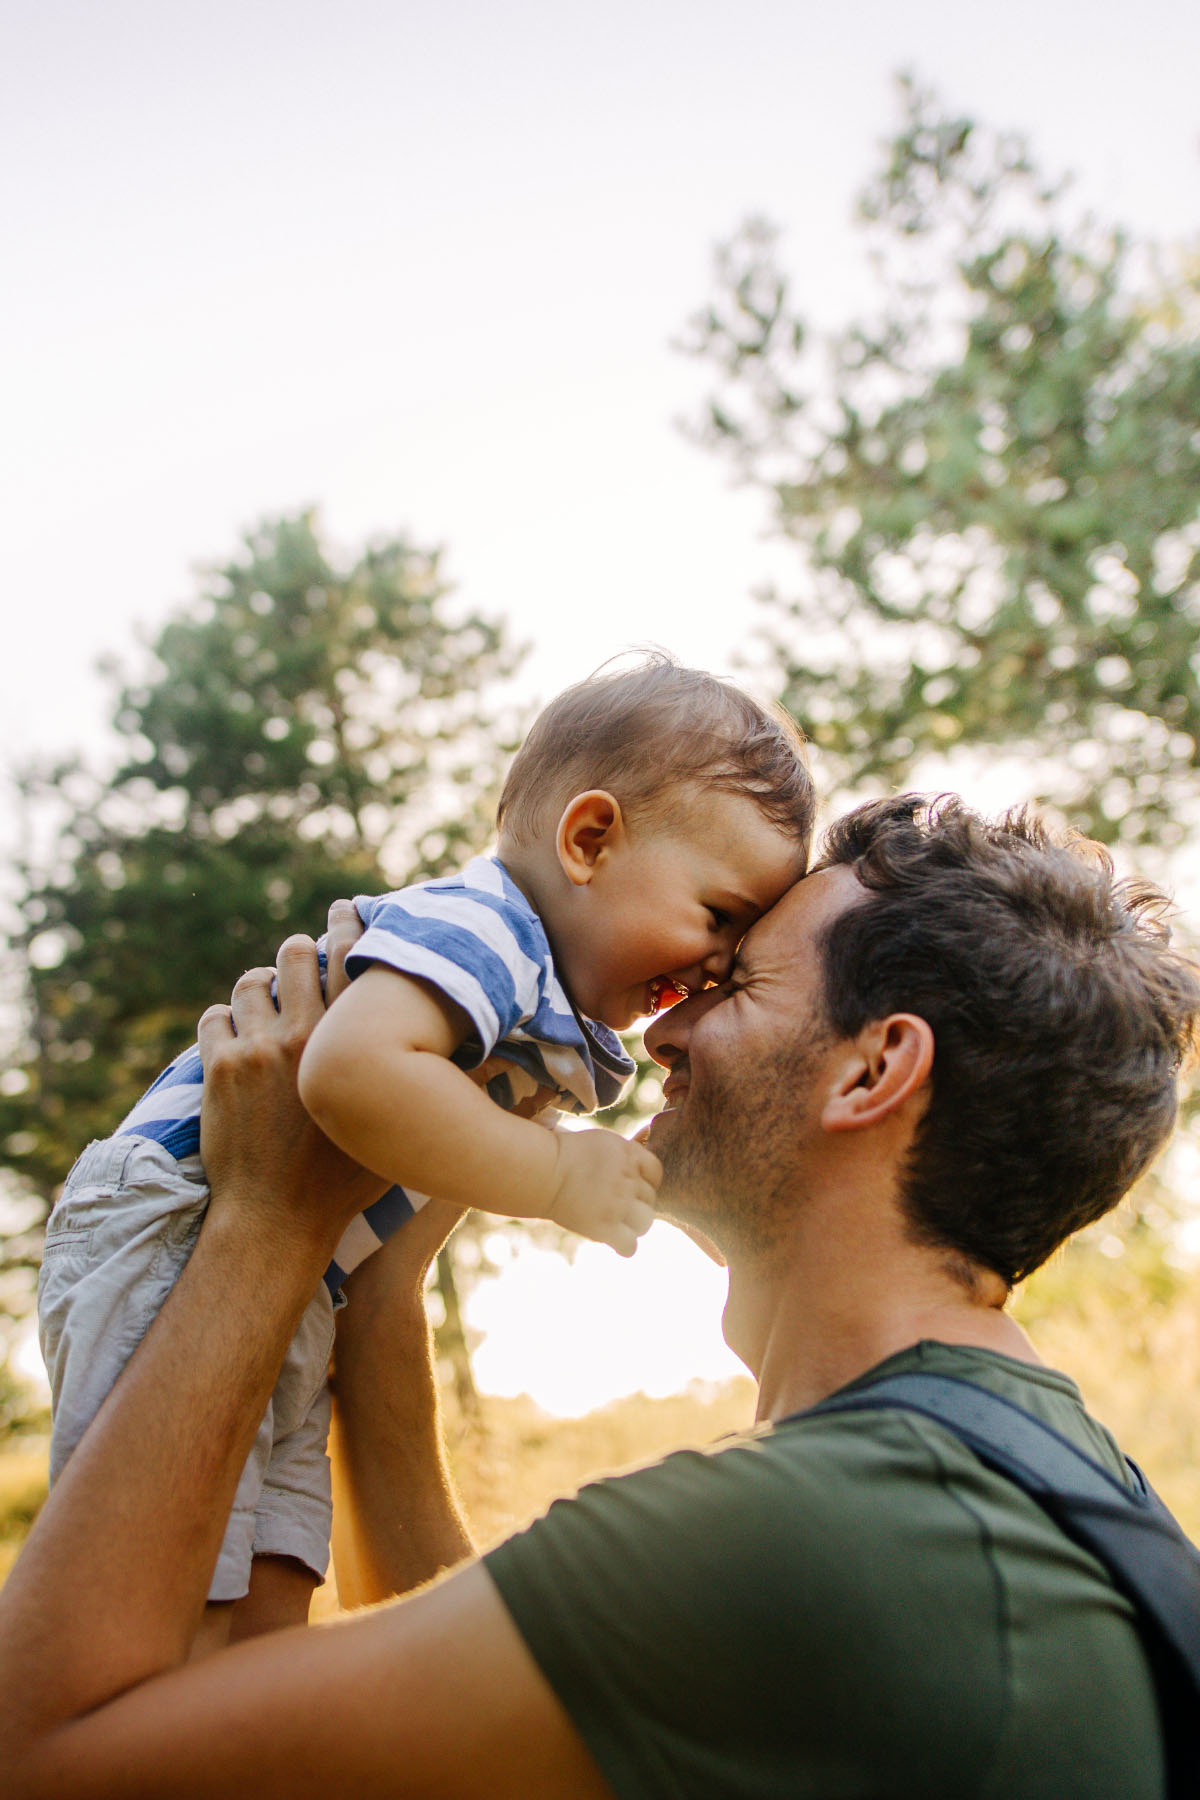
(397, 1521)
(112, 1582)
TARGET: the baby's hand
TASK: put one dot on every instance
(604, 1187)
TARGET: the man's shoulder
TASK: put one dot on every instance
(1047, 1394)
(862, 1478)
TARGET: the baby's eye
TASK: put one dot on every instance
(719, 918)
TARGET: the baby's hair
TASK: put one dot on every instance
(648, 731)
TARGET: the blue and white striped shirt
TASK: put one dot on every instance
(475, 938)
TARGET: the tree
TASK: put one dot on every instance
(992, 484)
(307, 727)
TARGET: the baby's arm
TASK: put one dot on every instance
(377, 1078)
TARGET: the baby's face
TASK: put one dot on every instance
(670, 905)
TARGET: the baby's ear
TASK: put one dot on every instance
(591, 827)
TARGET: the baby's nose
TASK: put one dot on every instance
(718, 964)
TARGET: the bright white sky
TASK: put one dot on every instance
(423, 265)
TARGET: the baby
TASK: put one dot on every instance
(650, 817)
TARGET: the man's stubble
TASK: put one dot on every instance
(734, 1162)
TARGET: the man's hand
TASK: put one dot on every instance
(261, 1150)
(343, 930)
(604, 1187)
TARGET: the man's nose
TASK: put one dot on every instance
(668, 1036)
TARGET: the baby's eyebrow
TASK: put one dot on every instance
(737, 905)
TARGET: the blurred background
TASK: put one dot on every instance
(373, 372)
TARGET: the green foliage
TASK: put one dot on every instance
(305, 730)
(992, 484)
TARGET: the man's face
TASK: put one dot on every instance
(743, 1094)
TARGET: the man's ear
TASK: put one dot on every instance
(590, 828)
(889, 1061)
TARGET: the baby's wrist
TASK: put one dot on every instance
(559, 1144)
(533, 1172)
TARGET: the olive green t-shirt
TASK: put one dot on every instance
(841, 1606)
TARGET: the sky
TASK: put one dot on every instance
(425, 267)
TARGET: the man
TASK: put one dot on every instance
(947, 1048)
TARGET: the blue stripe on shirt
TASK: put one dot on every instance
(389, 1212)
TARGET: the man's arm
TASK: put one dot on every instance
(436, 1696)
(396, 1517)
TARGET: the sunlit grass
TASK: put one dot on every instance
(521, 1460)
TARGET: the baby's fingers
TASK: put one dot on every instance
(622, 1234)
(639, 1216)
(647, 1165)
(622, 1240)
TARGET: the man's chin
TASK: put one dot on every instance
(682, 1196)
(669, 1143)
(660, 1127)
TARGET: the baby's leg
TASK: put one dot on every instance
(281, 1591)
(279, 1595)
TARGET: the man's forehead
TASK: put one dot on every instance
(800, 915)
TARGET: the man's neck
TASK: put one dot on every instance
(813, 1315)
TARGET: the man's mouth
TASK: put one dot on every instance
(674, 1089)
(663, 992)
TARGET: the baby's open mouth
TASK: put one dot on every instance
(664, 992)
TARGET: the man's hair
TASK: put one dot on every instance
(1060, 1017)
(646, 733)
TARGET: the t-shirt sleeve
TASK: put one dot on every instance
(479, 950)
